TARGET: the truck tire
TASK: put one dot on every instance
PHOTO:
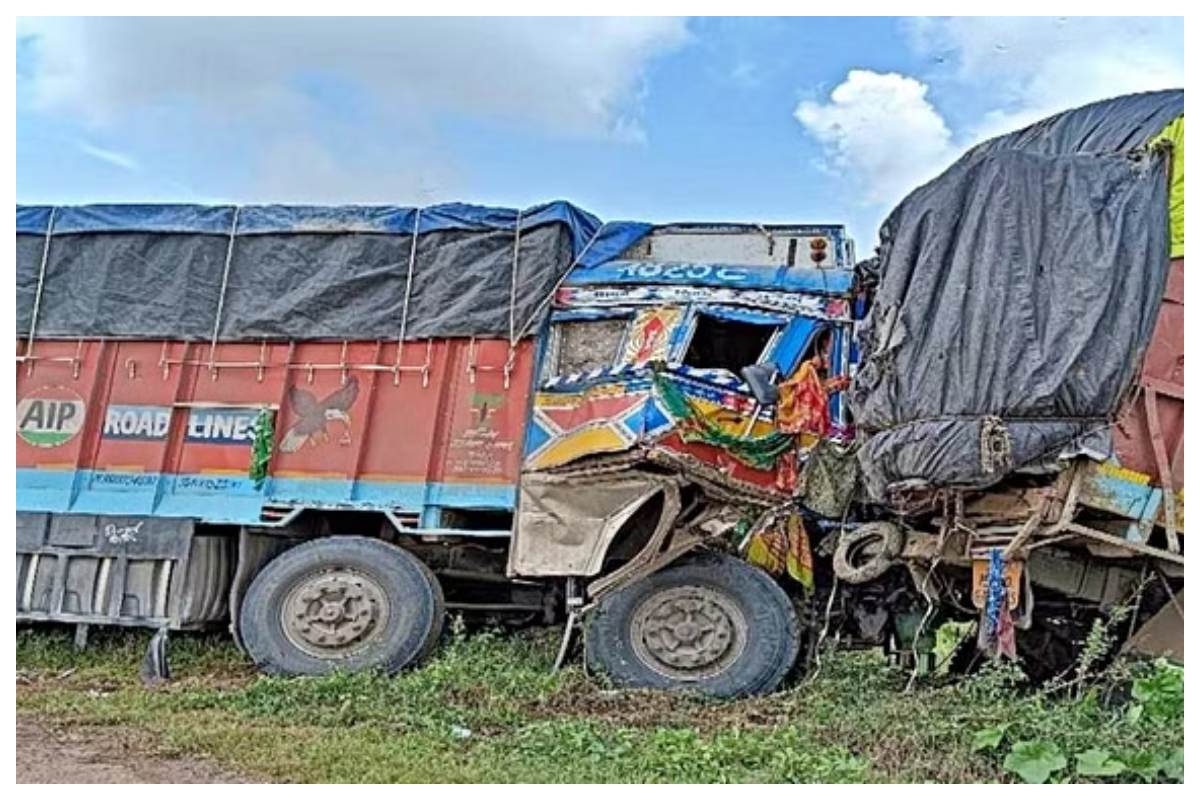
(341, 603)
(710, 623)
(866, 552)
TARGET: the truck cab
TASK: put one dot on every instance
(704, 302)
(658, 413)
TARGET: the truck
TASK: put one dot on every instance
(330, 427)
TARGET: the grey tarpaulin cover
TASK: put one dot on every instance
(1017, 293)
(298, 272)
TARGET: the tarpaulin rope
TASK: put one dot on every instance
(512, 294)
(558, 284)
(758, 452)
(37, 297)
(212, 351)
(408, 281)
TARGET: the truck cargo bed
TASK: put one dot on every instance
(167, 428)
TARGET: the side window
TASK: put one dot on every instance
(583, 345)
(727, 344)
(820, 346)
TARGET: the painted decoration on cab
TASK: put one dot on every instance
(313, 416)
(49, 416)
(650, 335)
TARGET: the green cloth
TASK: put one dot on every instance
(759, 452)
(1173, 133)
(260, 449)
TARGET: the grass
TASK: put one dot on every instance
(488, 709)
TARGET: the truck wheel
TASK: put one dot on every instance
(710, 623)
(341, 603)
(866, 552)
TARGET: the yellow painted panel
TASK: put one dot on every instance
(585, 441)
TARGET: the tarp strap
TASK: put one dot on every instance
(512, 294)
(558, 284)
(212, 351)
(37, 297)
(412, 265)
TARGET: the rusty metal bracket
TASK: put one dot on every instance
(76, 361)
(1164, 466)
(474, 367)
(398, 368)
(212, 364)
(1108, 538)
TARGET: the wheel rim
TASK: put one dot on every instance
(335, 613)
(688, 633)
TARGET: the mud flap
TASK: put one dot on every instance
(155, 668)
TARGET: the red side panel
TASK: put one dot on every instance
(349, 428)
(1162, 384)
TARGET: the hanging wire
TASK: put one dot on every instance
(512, 294)
(554, 290)
(412, 263)
(37, 297)
(212, 351)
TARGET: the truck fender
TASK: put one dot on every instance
(255, 549)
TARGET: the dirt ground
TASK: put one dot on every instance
(100, 755)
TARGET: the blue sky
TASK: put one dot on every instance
(766, 120)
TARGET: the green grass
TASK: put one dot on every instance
(488, 709)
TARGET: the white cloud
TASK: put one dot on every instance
(1037, 66)
(879, 130)
(570, 76)
(746, 74)
(337, 109)
(301, 169)
(113, 157)
(883, 134)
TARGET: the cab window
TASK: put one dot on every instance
(583, 345)
(727, 344)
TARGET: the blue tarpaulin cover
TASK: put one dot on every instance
(300, 272)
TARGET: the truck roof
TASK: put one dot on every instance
(813, 258)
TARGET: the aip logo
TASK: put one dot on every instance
(49, 416)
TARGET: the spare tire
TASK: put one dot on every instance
(341, 603)
(710, 623)
(866, 552)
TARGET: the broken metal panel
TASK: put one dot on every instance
(1162, 635)
(1005, 503)
(1082, 578)
(565, 524)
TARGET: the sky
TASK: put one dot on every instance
(802, 120)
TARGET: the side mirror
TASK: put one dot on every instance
(761, 380)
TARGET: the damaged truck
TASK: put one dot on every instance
(706, 446)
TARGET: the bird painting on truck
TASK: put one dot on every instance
(313, 416)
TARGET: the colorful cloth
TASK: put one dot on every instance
(1173, 133)
(757, 452)
(997, 634)
(803, 402)
(783, 547)
(831, 477)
